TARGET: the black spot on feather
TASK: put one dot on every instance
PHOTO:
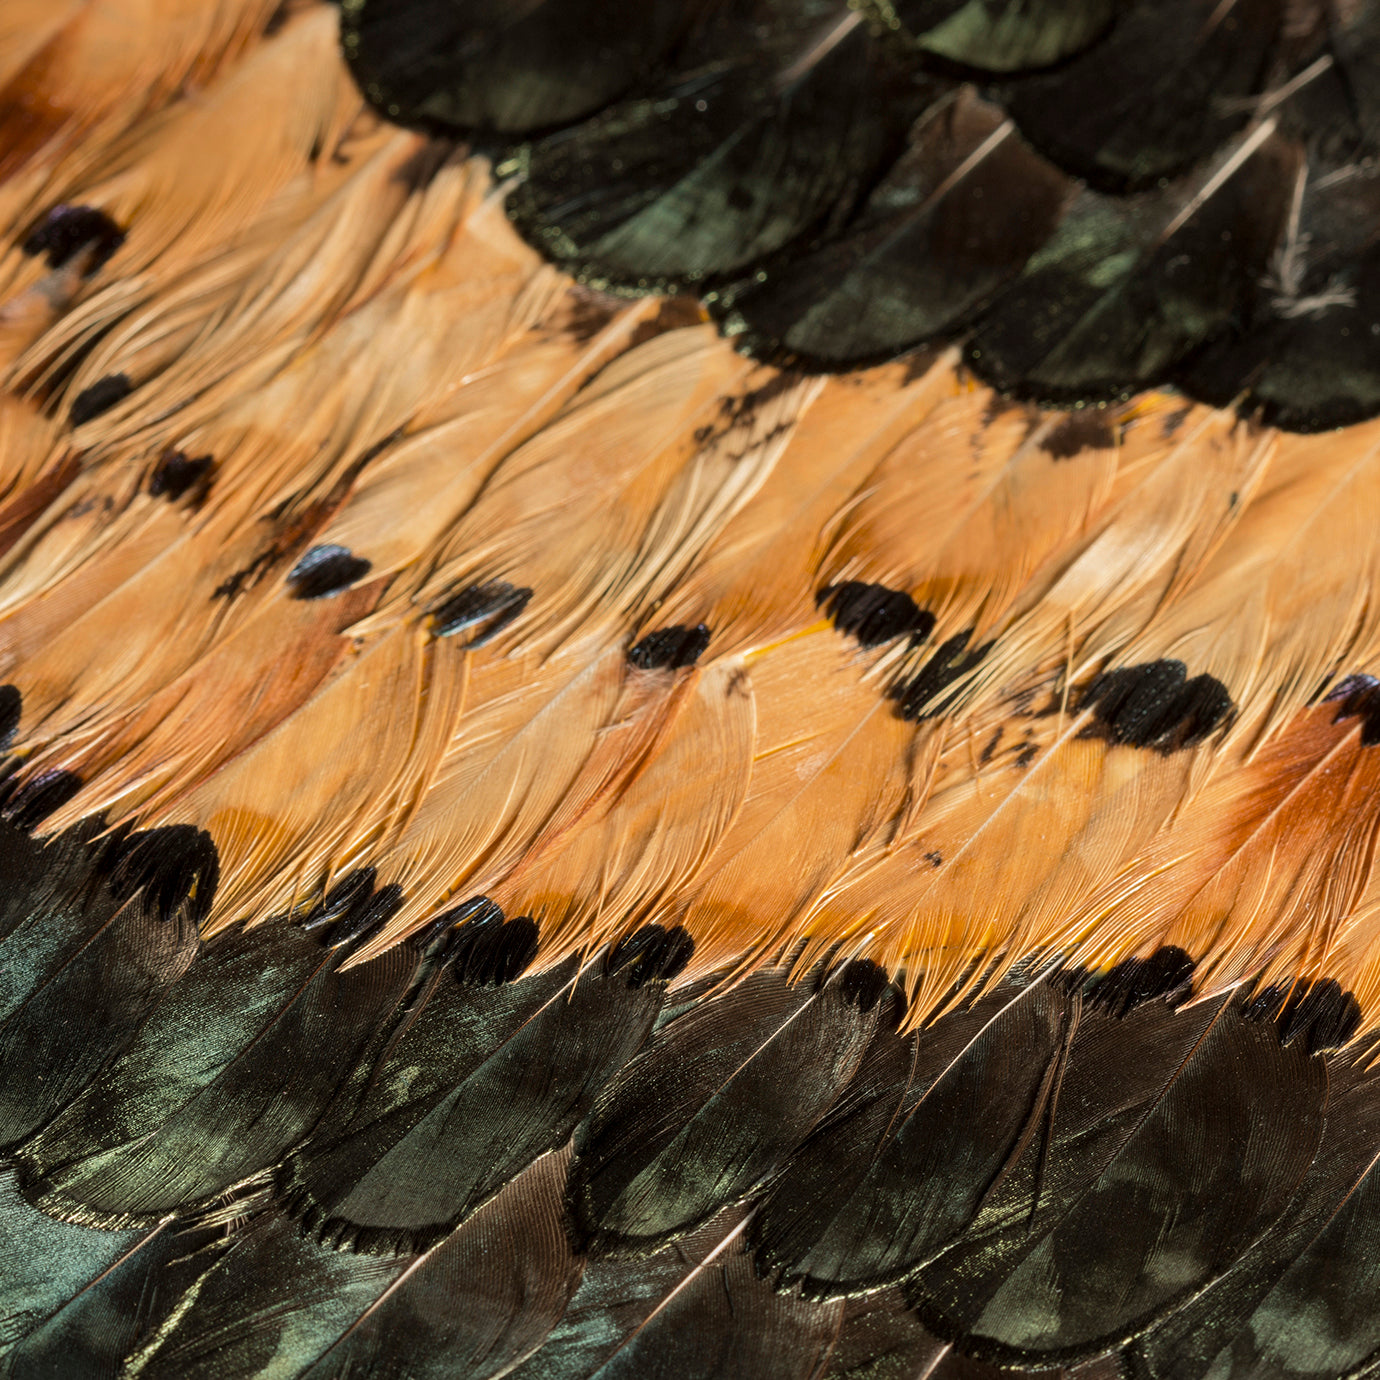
(26, 806)
(354, 889)
(874, 614)
(173, 866)
(177, 474)
(1155, 705)
(863, 983)
(1089, 428)
(921, 696)
(650, 954)
(1358, 696)
(67, 230)
(670, 648)
(326, 570)
(1319, 1013)
(488, 951)
(100, 397)
(11, 704)
(1166, 975)
(366, 918)
(486, 608)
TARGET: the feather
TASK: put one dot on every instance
(105, 64)
(220, 707)
(179, 207)
(706, 868)
(79, 984)
(1122, 292)
(752, 1072)
(1003, 37)
(511, 766)
(412, 1152)
(541, 65)
(1230, 1119)
(1280, 1307)
(50, 1295)
(233, 1068)
(1138, 121)
(831, 771)
(472, 1301)
(947, 535)
(1303, 803)
(416, 490)
(750, 583)
(846, 1216)
(728, 1323)
(768, 127)
(369, 795)
(1023, 814)
(664, 819)
(1280, 605)
(923, 255)
(545, 520)
(693, 1309)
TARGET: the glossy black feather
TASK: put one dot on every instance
(915, 1146)
(1127, 288)
(957, 217)
(479, 1302)
(712, 1108)
(81, 970)
(476, 1084)
(762, 134)
(272, 1302)
(230, 1072)
(1170, 83)
(90, 1298)
(1305, 1300)
(1162, 1166)
(483, 64)
(997, 36)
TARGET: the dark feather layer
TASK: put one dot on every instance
(1075, 214)
(712, 1108)
(229, 1073)
(475, 1084)
(906, 1159)
(83, 968)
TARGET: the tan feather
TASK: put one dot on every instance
(529, 732)
(1286, 602)
(108, 63)
(412, 494)
(300, 807)
(1025, 816)
(627, 863)
(832, 771)
(145, 760)
(755, 581)
(1258, 871)
(615, 495)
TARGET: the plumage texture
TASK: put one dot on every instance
(550, 828)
